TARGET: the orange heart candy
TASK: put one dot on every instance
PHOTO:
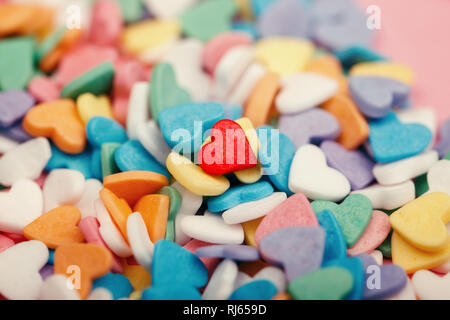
(133, 185)
(118, 209)
(58, 120)
(56, 227)
(355, 129)
(154, 209)
(82, 263)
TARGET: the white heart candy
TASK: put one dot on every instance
(138, 108)
(186, 59)
(152, 140)
(26, 161)
(406, 169)
(253, 209)
(221, 284)
(211, 228)
(310, 175)
(139, 240)
(56, 287)
(190, 203)
(425, 116)
(91, 193)
(389, 197)
(6, 144)
(407, 293)
(429, 286)
(168, 8)
(439, 177)
(109, 232)
(247, 83)
(230, 70)
(19, 270)
(304, 91)
(62, 187)
(20, 206)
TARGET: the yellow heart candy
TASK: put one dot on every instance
(412, 259)
(284, 55)
(193, 178)
(422, 221)
(392, 70)
(249, 231)
(143, 36)
(250, 175)
(89, 106)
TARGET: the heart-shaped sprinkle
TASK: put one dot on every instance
(174, 264)
(376, 232)
(92, 261)
(58, 120)
(14, 104)
(230, 251)
(311, 126)
(438, 177)
(295, 211)
(310, 175)
(56, 227)
(331, 283)
(165, 91)
(354, 165)
(207, 19)
(381, 281)
(62, 187)
(353, 215)
(335, 245)
(304, 91)
(298, 249)
(375, 96)
(26, 161)
(81, 162)
(90, 106)
(20, 265)
(422, 221)
(25, 201)
(392, 140)
(430, 286)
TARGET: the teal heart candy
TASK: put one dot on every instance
(331, 283)
(208, 19)
(175, 203)
(391, 140)
(255, 290)
(107, 158)
(16, 62)
(174, 265)
(164, 90)
(353, 215)
(98, 81)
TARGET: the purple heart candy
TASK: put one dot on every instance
(14, 104)
(16, 132)
(355, 165)
(46, 271)
(311, 126)
(443, 147)
(284, 18)
(381, 281)
(229, 251)
(375, 96)
(298, 250)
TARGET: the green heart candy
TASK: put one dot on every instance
(331, 283)
(16, 62)
(164, 90)
(353, 215)
(132, 10)
(97, 81)
(175, 202)
(107, 158)
(208, 19)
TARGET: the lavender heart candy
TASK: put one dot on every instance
(233, 252)
(14, 104)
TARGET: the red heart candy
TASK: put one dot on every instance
(228, 151)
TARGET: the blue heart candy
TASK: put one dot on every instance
(335, 245)
(117, 284)
(174, 265)
(255, 290)
(392, 140)
(80, 162)
(172, 291)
